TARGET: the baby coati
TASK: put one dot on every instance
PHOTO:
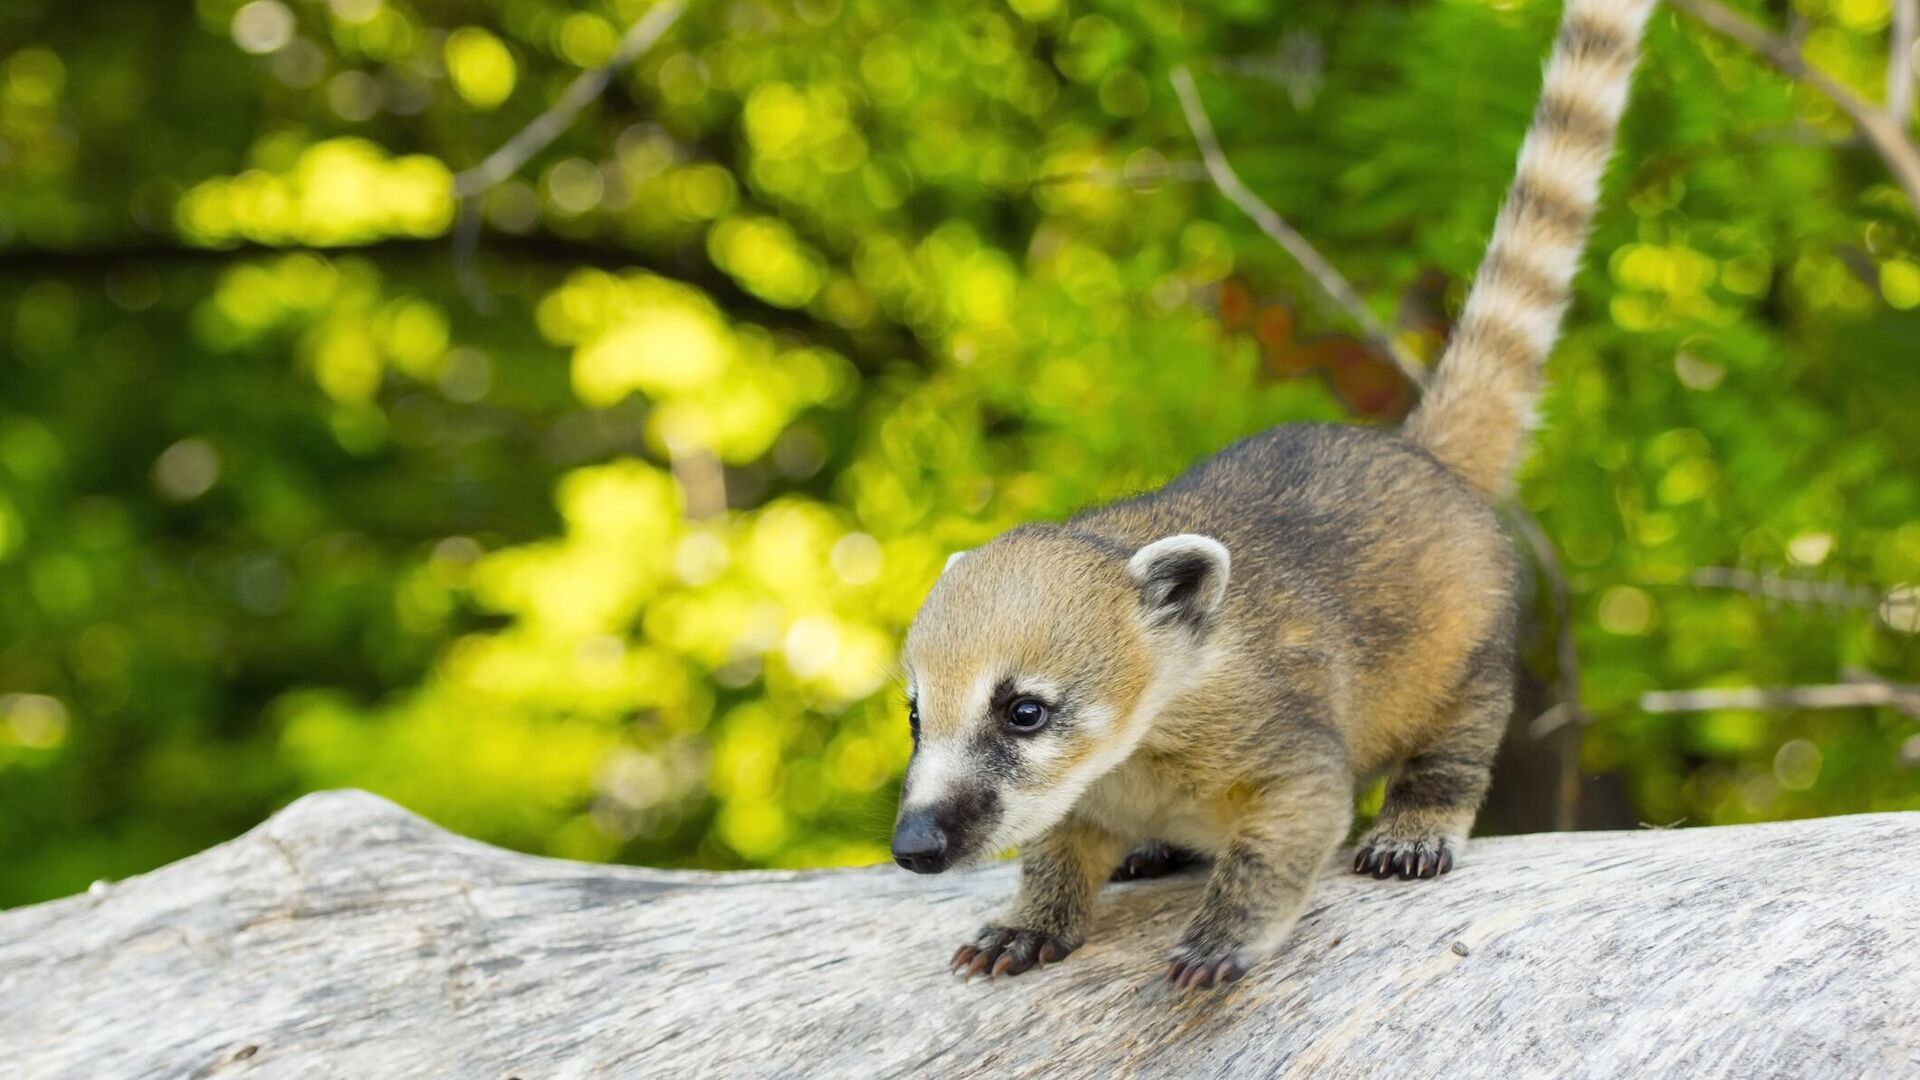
(1215, 664)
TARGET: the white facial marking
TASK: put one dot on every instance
(979, 696)
(932, 774)
(938, 766)
(1037, 688)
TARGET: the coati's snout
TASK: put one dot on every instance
(929, 838)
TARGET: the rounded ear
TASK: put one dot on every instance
(1182, 578)
(951, 559)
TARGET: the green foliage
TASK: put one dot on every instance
(612, 567)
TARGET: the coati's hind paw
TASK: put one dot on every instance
(1154, 859)
(1001, 950)
(1410, 859)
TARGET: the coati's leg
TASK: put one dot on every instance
(1155, 858)
(1433, 796)
(1282, 836)
(1059, 874)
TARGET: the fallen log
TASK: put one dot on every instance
(346, 937)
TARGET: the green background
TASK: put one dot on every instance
(598, 541)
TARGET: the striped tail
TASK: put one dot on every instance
(1476, 415)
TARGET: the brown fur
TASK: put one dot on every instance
(1223, 658)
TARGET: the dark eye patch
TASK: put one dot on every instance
(1008, 696)
(996, 745)
(1003, 695)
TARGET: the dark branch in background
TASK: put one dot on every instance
(1567, 656)
(1851, 695)
(1323, 273)
(866, 348)
(1886, 132)
(470, 184)
(1568, 710)
(472, 284)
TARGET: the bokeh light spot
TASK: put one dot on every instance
(34, 721)
(262, 26)
(1797, 764)
(1626, 610)
(480, 67)
(186, 470)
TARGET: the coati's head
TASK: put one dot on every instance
(1035, 665)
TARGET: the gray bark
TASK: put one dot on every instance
(348, 938)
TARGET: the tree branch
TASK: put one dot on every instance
(1329, 279)
(1172, 172)
(470, 184)
(1886, 134)
(346, 937)
(1851, 695)
(580, 93)
(1775, 587)
(1905, 36)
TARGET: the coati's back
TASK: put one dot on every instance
(1355, 547)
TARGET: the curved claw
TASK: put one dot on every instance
(1002, 951)
(1418, 860)
(1203, 973)
(981, 961)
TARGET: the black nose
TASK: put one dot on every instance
(919, 844)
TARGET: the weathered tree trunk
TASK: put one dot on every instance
(348, 938)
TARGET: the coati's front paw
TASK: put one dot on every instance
(1384, 857)
(1001, 950)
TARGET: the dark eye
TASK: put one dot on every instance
(913, 717)
(1027, 716)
